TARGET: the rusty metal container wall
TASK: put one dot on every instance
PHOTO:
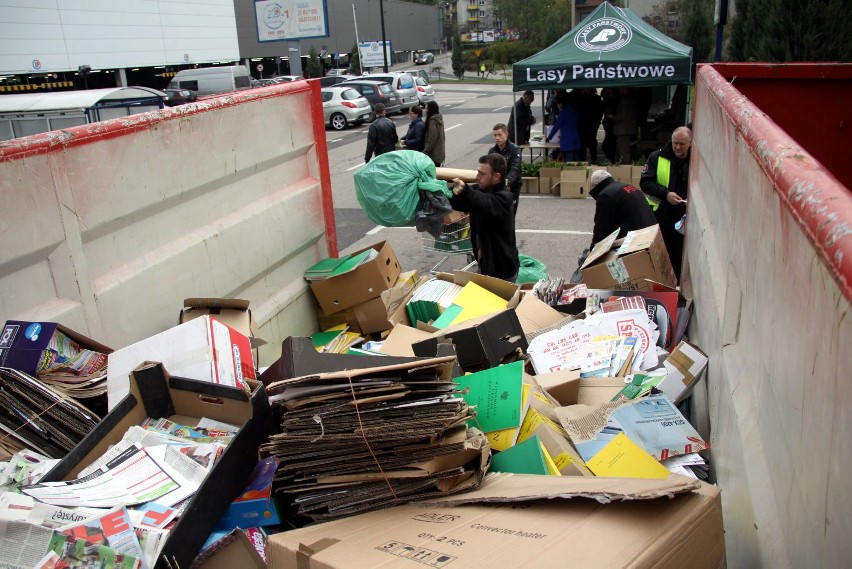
(107, 227)
(770, 266)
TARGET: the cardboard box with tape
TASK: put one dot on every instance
(629, 263)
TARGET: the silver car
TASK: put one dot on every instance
(402, 84)
(342, 106)
(425, 92)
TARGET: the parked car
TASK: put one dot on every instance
(424, 58)
(422, 73)
(342, 106)
(425, 92)
(176, 97)
(330, 80)
(287, 78)
(376, 92)
(337, 71)
(402, 83)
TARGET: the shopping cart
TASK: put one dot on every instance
(454, 239)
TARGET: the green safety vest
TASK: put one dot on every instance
(664, 170)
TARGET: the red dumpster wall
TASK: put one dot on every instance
(809, 101)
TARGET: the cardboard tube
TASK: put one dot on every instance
(468, 176)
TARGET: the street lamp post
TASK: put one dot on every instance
(384, 40)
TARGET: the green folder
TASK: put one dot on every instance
(497, 394)
(523, 458)
(447, 317)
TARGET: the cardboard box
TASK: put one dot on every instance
(529, 185)
(254, 507)
(623, 173)
(232, 311)
(377, 314)
(23, 343)
(361, 284)
(574, 184)
(549, 179)
(401, 339)
(480, 343)
(203, 349)
(153, 393)
(231, 551)
(535, 315)
(562, 385)
(636, 175)
(685, 365)
(642, 526)
(628, 263)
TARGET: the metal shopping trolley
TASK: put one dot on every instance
(453, 240)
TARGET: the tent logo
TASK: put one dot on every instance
(604, 34)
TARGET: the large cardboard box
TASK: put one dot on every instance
(374, 315)
(623, 173)
(642, 526)
(154, 393)
(232, 311)
(361, 284)
(574, 184)
(629, 263)
(203, 349)
(529, 185)
(23, 343)
(549, 179)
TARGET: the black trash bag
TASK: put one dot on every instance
(431, 211)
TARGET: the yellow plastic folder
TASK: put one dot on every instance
(621, 457)
(476, 301)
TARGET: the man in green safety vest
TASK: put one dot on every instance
(664, 181)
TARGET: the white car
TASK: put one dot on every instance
(342, 106)
(425, 92)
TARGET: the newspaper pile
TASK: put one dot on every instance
(119, 511)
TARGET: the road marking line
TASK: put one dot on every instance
(452, 127)
(335, 140)
(355, 167)
(501, 108)
(554, 231)
(375, 230)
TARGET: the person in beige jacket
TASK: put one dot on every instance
(434, 147)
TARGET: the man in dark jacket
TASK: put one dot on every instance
(382, 136)
(510, 151)
(415, 138)
(523, 115)
(492, 218)
(617, 206)
(664, 180)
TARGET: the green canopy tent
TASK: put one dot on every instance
(612, 47)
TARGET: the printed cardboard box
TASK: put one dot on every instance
(154, 393)
(363, 283)
(23, 343)
(202, 348)
(676, 522)
(628, 264)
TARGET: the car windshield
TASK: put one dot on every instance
(349, 94)
(405, 82)
(385, 88)
(421, 82)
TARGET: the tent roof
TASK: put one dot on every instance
(612, 47)
(73, 100)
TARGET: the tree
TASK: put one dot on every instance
(355, 60)
(314, 64)
(457, 58)
(698, 30)
(779, 30)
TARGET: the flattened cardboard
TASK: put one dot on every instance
(596, 390)
(22, 343)
(361, 284)
(232, 311)
(684, 531)
(153, 393)
(641, 256)
(400, 340)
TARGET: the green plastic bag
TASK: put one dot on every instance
(531, 271)
(387, 187)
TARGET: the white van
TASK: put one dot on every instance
(212, 80)
(402, 83)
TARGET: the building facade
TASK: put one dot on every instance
(52, 45)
